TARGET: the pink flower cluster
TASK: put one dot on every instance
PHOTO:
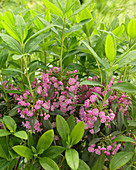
(50, 95)
(92, 108)
(101, 147)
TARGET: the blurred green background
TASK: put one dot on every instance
(105, 10)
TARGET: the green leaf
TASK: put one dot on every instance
(97, 124)
(3, 58)
(110, 48)
(53, 151)
(4, 133)
(77, 133)
(71, 122)
(3, 148)
(82, 165)
(31, 166)
(99, 163)
(108, 94)
(53, 7)
(16, 57)
(132, 122)
(33, 42)
(72, 158)
(9, 19)
(123, 139)
(13, 91)
(81, 8)
(128, 58)
(48, 164)
(10, 123)
(90, 83)
(124, 87)
(120, 159)
(23, 151)
(131, 28)
(119, 30)
(11, 42)
(45, 141)
(10, 31)
(4, 164)
(91, 51)
(21, 134)
(62, 127)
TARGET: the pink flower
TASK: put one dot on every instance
(39, 90)
(56, 69)
(109, 147)
(95, 112)
(93, 98)
(86, 103)
(37, 107)
(91, 149)
(97, 151)
(71, 81)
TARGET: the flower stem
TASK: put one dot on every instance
(61, 53)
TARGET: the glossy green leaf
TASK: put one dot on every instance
(53, 7)
(131, 28)
(124, 139)
(23, 151)
(11, 42)
(120, 159)
(128, 58)
(82, 165)
(53, 151)
(119, 30)
(71, 122)
(45, 141)
(10, 123)
(99, 163)
(21, 27)
(62, 127)
(48, 164)
(72, 158)
(77, 133)
(37, 22)
(34, 42)
(4, 133)
(90, 83)
(16, 57)
(124, 87)
(21, 134)
(110, 49)
(10, 31)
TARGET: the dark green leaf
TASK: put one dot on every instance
(4, 164)
(97, 124)
(53, 152)
(99, 163)
(3, 148)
